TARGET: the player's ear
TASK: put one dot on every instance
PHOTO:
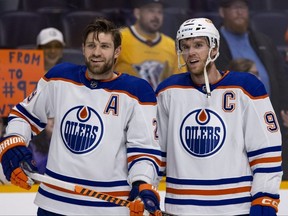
(214, 52)
(83, 45)
(117, 52)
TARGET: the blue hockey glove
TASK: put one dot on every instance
(258, 210)
(147, 194)
(264, 205)
(13, 152)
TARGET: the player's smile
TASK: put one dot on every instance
(193, 61)
(96, 61)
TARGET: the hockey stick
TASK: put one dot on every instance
(92, 193)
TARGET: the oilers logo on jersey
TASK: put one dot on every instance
(202, 132)
(81, 129)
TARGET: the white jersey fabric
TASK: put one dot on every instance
(221, 150)
(104, 134)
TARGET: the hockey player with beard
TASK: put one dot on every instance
(103, 135)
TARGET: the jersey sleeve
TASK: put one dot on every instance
(143, 150)
(29, 117)
(263, 145)
(162, 119)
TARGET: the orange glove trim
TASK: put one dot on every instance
(19, 178)
(9, 143)
(149, 187)
(136, 208)
(267, 201)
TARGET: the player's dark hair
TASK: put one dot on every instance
(102, 25)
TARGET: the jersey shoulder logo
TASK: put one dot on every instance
(81, 129)
(202, 133)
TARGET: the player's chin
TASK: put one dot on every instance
(195, 70)
(96, 64)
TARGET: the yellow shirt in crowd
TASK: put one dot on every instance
(151, 60)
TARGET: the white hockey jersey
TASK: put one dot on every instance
(104, 133)
(221, 150)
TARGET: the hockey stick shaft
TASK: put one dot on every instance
(118, 201)
(77, 188)
(92, 193)
(83, 190)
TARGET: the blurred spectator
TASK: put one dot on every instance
(51, 41)
(243, 65)
(3, 124)
(39, 145)
(238, 40)
(146, 52)
(286, 40)
(286, 36)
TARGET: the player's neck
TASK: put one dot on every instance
(104, 76)
(213, 76)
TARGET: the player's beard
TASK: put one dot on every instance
(106, 68)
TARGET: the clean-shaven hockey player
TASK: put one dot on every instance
(219, 132)
(103, 135)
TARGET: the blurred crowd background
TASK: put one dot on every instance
(22, 20)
